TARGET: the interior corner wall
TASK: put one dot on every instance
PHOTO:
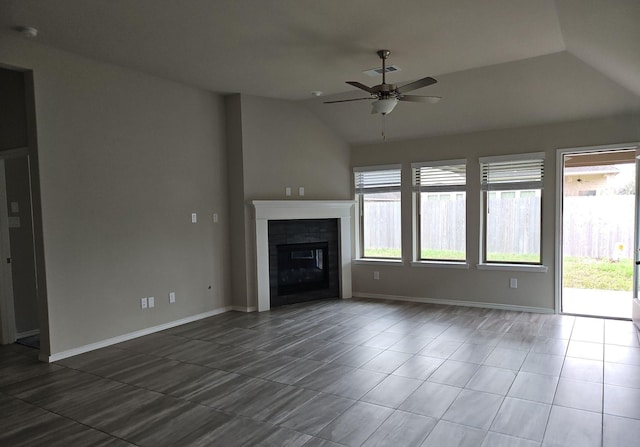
(282, 145)
(124, 159)
(238, 259)
(535, 290)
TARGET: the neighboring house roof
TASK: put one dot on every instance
(591, 170)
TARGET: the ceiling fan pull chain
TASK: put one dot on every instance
(384, 137)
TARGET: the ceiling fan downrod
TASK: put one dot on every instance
(384, 54)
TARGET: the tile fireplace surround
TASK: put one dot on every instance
(266, 210)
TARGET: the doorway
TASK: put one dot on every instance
(17, 250)
(23, 313)
(597, 192)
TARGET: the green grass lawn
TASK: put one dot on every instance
(579, 273)
(602, 274)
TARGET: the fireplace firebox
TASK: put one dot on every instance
(303, 267)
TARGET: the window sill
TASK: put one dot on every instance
(441, 264)
(514, 268)
(379, 261)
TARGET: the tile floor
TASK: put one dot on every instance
(338, 373)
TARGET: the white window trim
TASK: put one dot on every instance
(415, 238)
(507, 266)
(360, 259)
(514, 157)
(514, 267)
(391, 262)
(462, 265)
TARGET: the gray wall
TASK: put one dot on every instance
(534, 289)
(281, 144)
(124, 160)
(23, 266)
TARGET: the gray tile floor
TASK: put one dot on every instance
(338, 373)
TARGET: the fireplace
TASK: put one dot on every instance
(303, 260)
(302, 268)
(268, 212)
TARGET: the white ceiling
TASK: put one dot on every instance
(499, 63)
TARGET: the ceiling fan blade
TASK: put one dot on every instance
(415, 85)
(415, 98)
(361, 86)
(348, 100)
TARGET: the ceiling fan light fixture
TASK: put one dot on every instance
(384, 106)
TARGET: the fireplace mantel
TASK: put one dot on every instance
(266, 210)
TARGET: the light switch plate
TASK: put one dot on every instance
(287, 191)
(143, 303)
(172, 297)
(152, 301)
(215, 217)
(301, 191)
(194, 218)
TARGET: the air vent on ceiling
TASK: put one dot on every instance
(378, 71)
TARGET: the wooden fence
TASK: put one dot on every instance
(594, 226)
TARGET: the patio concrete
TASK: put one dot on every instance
(595, 302)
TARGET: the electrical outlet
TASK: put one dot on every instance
(376, 275)
(215, 217)
(143, 303)
(172, 297)
(513, 283)
(301, 191)
(152, 301)
(287, 191)
(194, 218)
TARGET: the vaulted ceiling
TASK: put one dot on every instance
(499, 63)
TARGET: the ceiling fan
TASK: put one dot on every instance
(387, 95)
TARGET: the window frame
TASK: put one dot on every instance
(533, 181)
(359, 192)
(445, 185)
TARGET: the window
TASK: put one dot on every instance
(378, 195)
(513, 217)
(440, 210)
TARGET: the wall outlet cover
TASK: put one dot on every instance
(152, 301)
(172, 297)
(143, 303)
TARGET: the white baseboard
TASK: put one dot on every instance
(244, 309)
(415, 299)
(130, 336)
(27, 333)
